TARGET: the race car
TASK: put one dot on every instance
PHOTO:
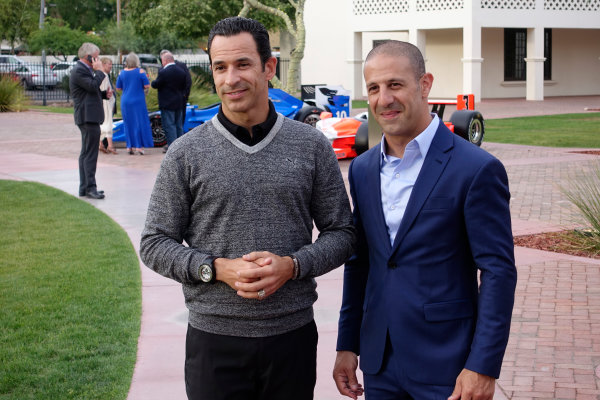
(350, 136)
(284, 103)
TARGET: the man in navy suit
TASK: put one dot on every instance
(84, 81)
(171, 85)
(431, 211)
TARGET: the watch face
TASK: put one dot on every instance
(206, 273)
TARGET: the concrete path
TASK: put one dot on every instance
(554, 348)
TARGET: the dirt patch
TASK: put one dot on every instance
(593, 152)
(558, 242)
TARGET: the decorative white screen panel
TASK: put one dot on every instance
(572, 5)
(509, 4)
(375, 7)
(439, 5)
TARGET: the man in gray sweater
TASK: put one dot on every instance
(243, 191)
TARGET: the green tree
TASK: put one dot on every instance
(191, 19)
(295, 27)
(86, 15)
(59, 40)
(18, 18)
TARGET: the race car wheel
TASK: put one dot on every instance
(361, 140)
(158, 134)
(468, 125)
(309, 115)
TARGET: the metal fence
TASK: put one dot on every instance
(53, 87)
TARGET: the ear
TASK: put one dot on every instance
(426, 82)
(270, 68)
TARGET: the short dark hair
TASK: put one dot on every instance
(234, 26)
(397, 48)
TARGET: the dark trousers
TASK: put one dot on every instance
(172, 123)
(271, 368)
(88, 158)
(392, 383)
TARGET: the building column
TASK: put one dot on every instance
(472, 60)
(355, 66)
(418, 37)
(535, 64)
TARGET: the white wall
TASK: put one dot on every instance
(575, 62)
(326, 53)
(443, 53)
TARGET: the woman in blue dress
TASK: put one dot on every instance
(134, 83)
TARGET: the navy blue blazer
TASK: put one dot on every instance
(86, 93)
(171, 85)
(423, 290)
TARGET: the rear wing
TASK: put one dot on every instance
(462, 102)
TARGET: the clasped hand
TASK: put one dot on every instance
(253, 272)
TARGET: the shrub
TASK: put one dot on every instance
(12, 95)
(584, 193)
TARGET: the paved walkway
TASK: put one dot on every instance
(554, 348)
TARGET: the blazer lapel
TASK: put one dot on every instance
(433, 166)
(372, 185)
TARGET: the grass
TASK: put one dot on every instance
(564, 130)
(71, 298)
(53, 109)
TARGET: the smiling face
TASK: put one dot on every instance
(397, 97)
(240, 79)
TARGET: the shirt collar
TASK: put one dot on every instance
(259, 132)
(87, 66)
(422, 142)
(169, 64)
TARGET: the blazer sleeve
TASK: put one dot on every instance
(88, 81)
(488, 226)
(356, 271)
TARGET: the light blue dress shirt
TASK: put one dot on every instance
(398, 176)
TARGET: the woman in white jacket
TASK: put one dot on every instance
(106, 129)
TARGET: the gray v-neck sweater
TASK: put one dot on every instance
(225, 199)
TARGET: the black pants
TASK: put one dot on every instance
(88, 158)
(229, 368)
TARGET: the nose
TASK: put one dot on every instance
(385, 97)
(232, 77)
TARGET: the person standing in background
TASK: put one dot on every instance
(171, 86)
(85, 81)
(134, 84)
(106, 129)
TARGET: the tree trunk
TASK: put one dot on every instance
(297, 30)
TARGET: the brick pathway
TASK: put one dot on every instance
(554, 347)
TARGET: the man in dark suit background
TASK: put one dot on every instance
(431, 210)
(171, 83)
(85, 81)
(188, 76)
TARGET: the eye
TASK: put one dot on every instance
(372, 89)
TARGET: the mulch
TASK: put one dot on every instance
(559, 242)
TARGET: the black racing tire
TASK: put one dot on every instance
(361, 140)
(309, 115)
(469, 125)
(158, 134)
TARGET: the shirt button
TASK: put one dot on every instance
(397, 175)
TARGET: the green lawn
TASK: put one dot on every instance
(565, 130)
(70, 295)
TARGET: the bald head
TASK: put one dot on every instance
(166, 57)
(396, 48)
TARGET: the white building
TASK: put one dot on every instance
(491, 48)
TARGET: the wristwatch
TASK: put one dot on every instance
(206, 271)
